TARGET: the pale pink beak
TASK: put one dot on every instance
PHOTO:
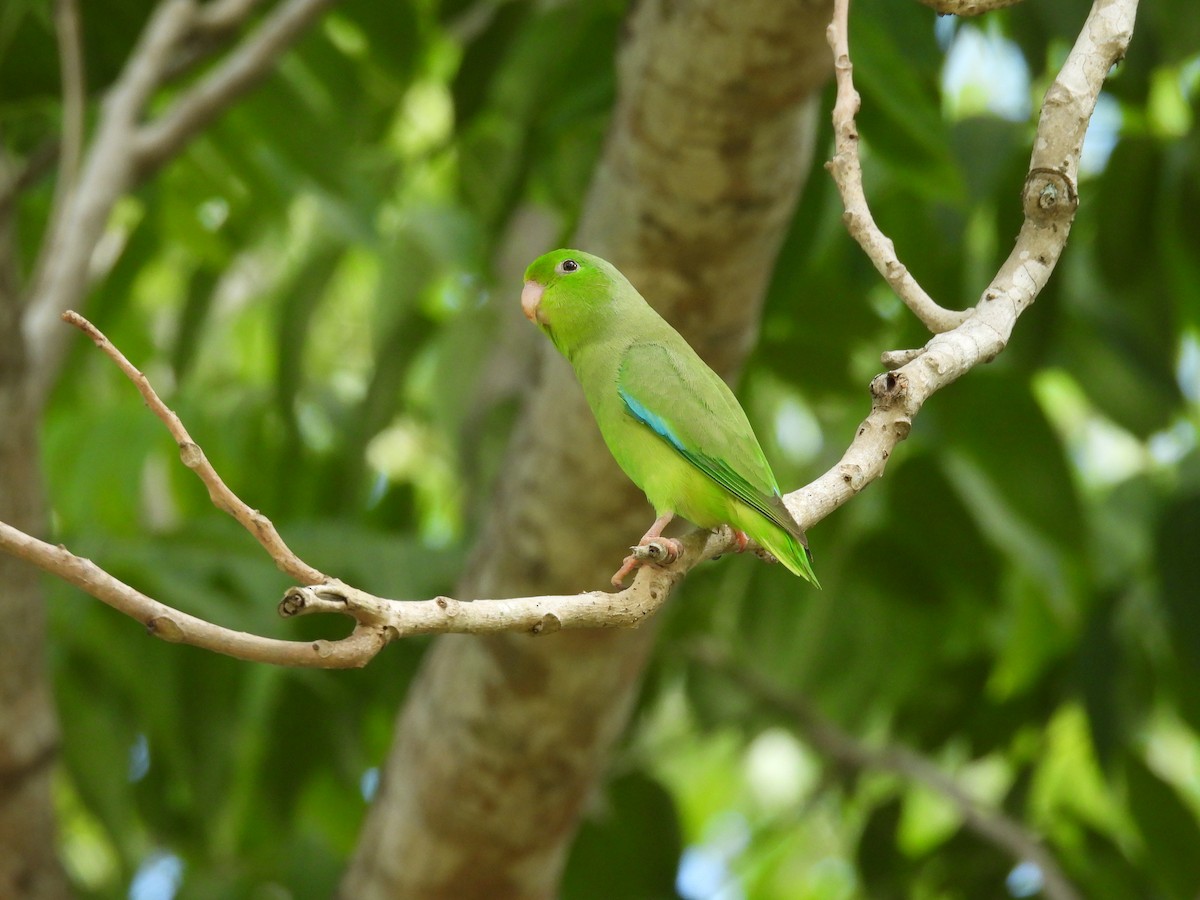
(531, 297)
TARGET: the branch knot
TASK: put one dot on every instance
(1049, 196)
(889, 388)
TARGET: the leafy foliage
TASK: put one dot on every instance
(314, 283)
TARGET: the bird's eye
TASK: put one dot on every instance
(567, 266)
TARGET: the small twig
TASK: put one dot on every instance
(847, 173)
(378, 621)
(843, 749)
(547, 614)
(193, 457)
(894, 359)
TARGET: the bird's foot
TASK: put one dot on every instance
(741, 540)
(660, 551)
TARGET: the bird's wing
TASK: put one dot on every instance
(670, 390)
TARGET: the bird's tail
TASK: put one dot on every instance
(786, 548)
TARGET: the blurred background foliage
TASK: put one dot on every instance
(323, 286)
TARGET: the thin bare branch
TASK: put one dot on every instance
(535, 615)
(378, 620)
(844, 750)
(847, 173)
(193, 457)
(244, 67)
(894, 359)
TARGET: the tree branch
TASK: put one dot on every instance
(844, 750)
(1050, 199)
(378, 620)
(193, 457)
(847, 173)
(177, 627)
(219, 16)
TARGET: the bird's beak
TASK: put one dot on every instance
(531, 297)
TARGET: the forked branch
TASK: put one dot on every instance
(193, 457)
(1049, 197)
(847, 172)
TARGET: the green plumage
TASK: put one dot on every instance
(671, 423)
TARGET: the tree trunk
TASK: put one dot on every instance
(501, 739)
(29, 865)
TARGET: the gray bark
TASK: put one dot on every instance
(29, 866)
(502, 739)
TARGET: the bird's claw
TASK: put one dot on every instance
(661, 551)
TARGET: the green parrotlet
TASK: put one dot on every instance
(670, 422)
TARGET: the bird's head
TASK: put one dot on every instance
(569, 295)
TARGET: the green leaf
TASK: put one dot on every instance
(636, 824)
(1178, 564)
(884, 870)
(1128, 203)
(1100, 674)
(901, 117)
(1015, 476)
(483, 57)
(1121, 350)
(1169, 830)
(1103, 867)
